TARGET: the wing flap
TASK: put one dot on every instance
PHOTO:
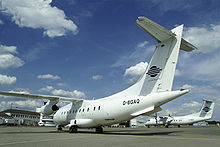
(16, 94)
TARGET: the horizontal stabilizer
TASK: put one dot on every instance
(16, 94)
(186, 46)
(161, 34)
(153, 29)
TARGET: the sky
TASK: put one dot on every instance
(91, 49)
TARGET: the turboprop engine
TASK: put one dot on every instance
(50, 107)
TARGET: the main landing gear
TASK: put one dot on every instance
(73, 129)
(59, 128)
(99, 129)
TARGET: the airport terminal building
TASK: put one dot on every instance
(19, 117)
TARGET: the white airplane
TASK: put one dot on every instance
(205, 113)
(145, 97)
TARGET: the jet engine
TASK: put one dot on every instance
(50, 107)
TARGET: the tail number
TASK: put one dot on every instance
(130, 102)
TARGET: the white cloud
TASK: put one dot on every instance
(7, 80)
(1, 22)
(21, 104)
(61, 84)
(86, 13)
(205, 38)
(186, 86)
(141, 52)
(74, 94)
(7, 49)
(46, 89)
(202, 91)
(136, 71)
(39, 14)
(207, 69)
(184, 109)
(7, 59)
(178, 72)
(48, 76)
(142, 44)
(191, 105)
(203, 64)
(97, 77)
(21, 90)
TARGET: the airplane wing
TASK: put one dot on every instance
(16, 94)
(160, 33)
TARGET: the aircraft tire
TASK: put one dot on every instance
(99, 130)
(72, 130)
(59, 129)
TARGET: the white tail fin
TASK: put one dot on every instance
(160, 72)
(207, 109)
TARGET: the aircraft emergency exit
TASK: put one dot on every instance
(205, 113)
(145, 97)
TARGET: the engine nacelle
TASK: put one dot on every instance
(50, 107)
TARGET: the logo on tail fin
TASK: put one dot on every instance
(206, 109)
(154, 71)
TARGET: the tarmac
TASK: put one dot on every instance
(14, 136)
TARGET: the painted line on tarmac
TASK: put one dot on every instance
(164, 137)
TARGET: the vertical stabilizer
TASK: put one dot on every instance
(207, 109)
(159, 75)
(160, 72)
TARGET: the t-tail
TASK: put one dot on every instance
(207, 109)
(159, 74)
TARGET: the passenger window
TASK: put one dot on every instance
(99, 108)
(83, 109)
(94, 109)
(87, 109)
(79, 110)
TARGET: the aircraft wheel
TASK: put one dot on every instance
(99, 130)
(59, 128)
(72, 130)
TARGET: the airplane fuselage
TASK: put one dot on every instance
(113, 109)
(176, 120)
